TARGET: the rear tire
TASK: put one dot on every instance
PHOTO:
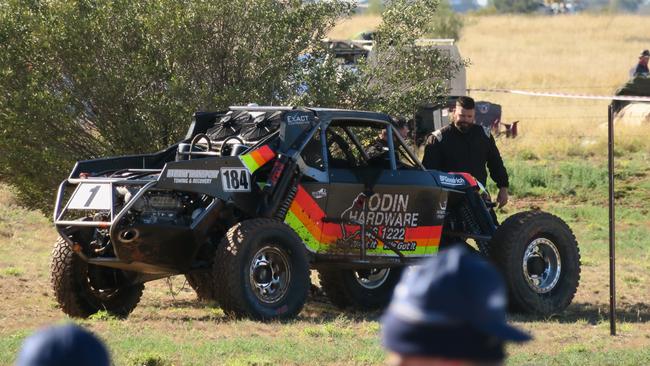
(262, 271)
(360, 289)
(82, 289)
(540, 260)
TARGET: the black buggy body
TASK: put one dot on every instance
(254, 197)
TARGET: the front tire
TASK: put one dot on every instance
(82, 289)
(540, 260)
(365, 290)
(203, 283)
(262, 271)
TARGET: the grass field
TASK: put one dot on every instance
(558, 163)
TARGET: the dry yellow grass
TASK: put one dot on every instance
(581, 54)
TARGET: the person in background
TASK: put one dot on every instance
(63, 345)
(379, 147)
(642, 66)
(464, 146)
(449, 310)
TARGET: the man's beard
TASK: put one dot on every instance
(463, 127)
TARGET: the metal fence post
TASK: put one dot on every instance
(612, 221)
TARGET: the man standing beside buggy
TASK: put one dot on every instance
(464, 146)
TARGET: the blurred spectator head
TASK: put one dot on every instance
(451, 308)
(68, 345)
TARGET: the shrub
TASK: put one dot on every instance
(84, 79)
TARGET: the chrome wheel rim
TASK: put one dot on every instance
(372, 278)
(542, 265)
(270, 274)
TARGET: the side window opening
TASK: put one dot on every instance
(342, 152)
(374, 139)
(404, 160)
(354, 144)
(312, 154)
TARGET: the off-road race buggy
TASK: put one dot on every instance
(255, 197)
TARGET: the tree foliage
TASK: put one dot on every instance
(516, 6)
(626, 5)
(83, 79)
(90, 78)
(375, 7)
(399, 74)
(446, 23)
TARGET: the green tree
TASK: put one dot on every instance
(626, 5)
(83, 79)
(445, 23)
(399, 74)
(516, 6)
(614, 6)
(90, 78)
(375, 7)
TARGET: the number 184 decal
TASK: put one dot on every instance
(235, 180)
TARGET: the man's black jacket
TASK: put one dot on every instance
(641, 69)
(450, 150)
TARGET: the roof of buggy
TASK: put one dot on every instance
(323, 113)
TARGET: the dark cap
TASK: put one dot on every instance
(68, 345)
(645, 53)
(450, 306)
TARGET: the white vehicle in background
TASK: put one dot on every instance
(430, 116)
(348, 52)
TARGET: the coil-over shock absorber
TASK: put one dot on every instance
(471, 226)
(477, 220)
(284, 207)
(283, 178)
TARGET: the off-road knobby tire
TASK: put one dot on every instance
(72, 290)
(508, 247)
(202, 282)
(233, 263)
(343, 290)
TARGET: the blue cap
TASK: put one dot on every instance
(450, 306)
(68, 345)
